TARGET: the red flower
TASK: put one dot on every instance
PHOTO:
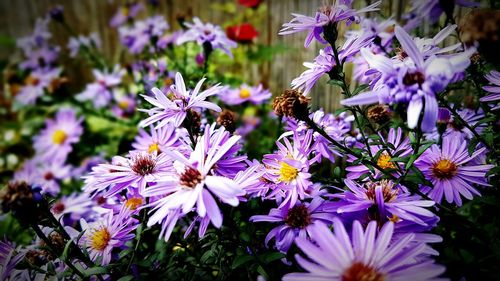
(243, 33)
(250, 3)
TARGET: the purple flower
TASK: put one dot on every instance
(125, 106)
(101, 91)
(456, 129)
(399, 147)
(295, 221)
(339, 11)
(49, 175)
(325, 62)
(126, 13)
(451, 172)
(142, 33)
(365, 255)
(192, 184)
(255, 95)
(137, 170)
(431, 10)
(38, 81)
(494, 78)
(204, 33)
(102, 236)
(415, 81)
(55, 141)
(174, 109)
(383, 201)
(81, 41)
(74, 206)
(9, 258)
(288, 169)
(162, 139)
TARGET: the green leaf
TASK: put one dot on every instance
(336, 82)
(95, 271)
(126, 278)
(360, 88)
(241, 260)
(263, 272)
(271, 256)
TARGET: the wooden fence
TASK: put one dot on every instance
(18, 16)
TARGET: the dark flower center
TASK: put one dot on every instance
(360, 272)
(388, 191)
(444, 169)
(191, 177)
(411, 78)
(298, 216)
(48, 176)
(144, 165)
(458, 126)
(58, 208)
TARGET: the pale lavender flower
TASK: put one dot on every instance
(288, 169)
(102, 236)
(42, 57)
(366, 254)
(207, 33)
(136, 171)
(414, 81)
(38, 81)
(142, 33)
(124, 106)
(328, 15)
(174, 109)
(456, 129)
(48, 175)
(325, 61)
(494, 78)
(295, 221)
(10, 256)
(55, 141)
(192, 184)
(397, 140)
(101, 91)
(72, 207)
(451, 171)
(126, 13)
(255, 95)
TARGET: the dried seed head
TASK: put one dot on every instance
(20, 199)
(292, 104)
(227, 119)
(379, 114)
(482, 26)
(143, 164)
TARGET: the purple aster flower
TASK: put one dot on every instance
(174, 109)
(86, 165)
(164, 138)
(81, 41)
(38, 81)
(431, 10)
(365, 255)
(136, 170)
(55, 141)
(325, 61)
(49, 175)
(250, 180)
(125, 106)
(193, 184)
(142, 33)
(39, 37)
(339, 11)
(288, 169)
(295, 221)
(494, 78)
(169, 39)
(100, 92)
(255, 95)
(73, 207)
(9, 258)
(451, 172)
(399, 147)
(204, 33)
(126, 13)
(102, 236)
(383, 201)
(414, 81)
(456, 129)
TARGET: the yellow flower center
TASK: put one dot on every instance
(394, 218)
(100, 239)
(31, 80)
(125, 11)
(244, 93)
(59, 136)
(361, 272)
(154, 147)
(444, 169)
(123, 104)
(384, 161)
(133, 203)
(287, 172)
